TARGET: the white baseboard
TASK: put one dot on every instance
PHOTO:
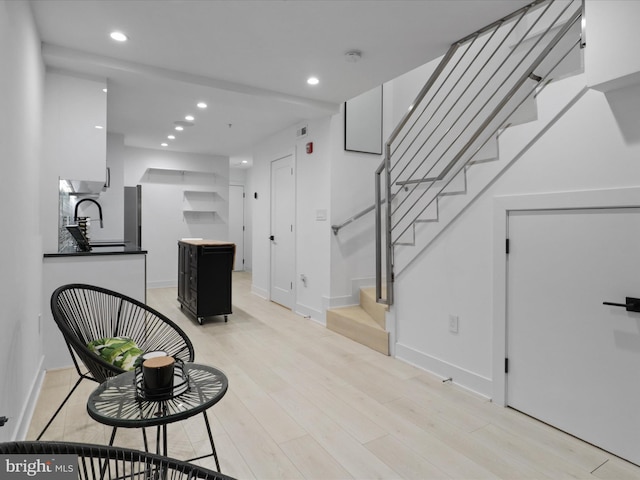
(310, 313)
(337, 302)
(260, 292)
(464, 378)
(349, 300)
(26, 414)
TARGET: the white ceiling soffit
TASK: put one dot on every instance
(248, 59)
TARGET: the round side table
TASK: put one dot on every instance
(117, 403)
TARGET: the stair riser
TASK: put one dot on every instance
(375, 339)
(376, 310)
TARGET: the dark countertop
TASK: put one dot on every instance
(97, 251)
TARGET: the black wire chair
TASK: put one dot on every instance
(85, 313)
(98, 462)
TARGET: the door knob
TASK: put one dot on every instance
(631, 305)
(272, 238)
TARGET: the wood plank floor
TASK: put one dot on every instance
(304, 402)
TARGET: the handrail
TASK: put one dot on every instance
(446, 59)
(457, 143)
(336, 228)
(454, 122)
(491, 117)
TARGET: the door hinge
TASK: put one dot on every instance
(291, 287)
(506, 365)
(506, 246)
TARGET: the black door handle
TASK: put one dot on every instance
(272, 238)
(632, 305)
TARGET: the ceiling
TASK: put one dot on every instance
(249, 60)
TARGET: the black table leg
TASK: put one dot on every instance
(113, 436)
(213, 447)
(144, 438)
(164, 439)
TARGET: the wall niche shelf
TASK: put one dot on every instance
(175, 176)
(195, 202)
(200, 193)
(199, 216)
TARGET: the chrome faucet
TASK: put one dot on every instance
(75, 214)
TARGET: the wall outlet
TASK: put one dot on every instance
(453, 323)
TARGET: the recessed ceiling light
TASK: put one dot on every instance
(313, 81)
(99, 127)
(202, 105)
(104, 90)
(179, 128)
(245, 161)
(189, 118)
(171, 137)
(164, 144)
(119, 36)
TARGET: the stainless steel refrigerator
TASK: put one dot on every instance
(133, 216)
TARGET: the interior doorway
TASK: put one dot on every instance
(573, 361)
(236, 223)
(282, 235)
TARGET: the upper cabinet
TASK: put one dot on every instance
(75, 126)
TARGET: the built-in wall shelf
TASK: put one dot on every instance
(176, 171)
(199, 201)
(178, 176)
(199, 216)
(200, 193)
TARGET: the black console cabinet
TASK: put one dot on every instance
(204, 277)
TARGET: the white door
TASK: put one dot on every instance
(236, 223)
(572, 361)
(282, 234)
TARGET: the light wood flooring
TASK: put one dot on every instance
(304, 402)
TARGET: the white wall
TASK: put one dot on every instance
(164, 201)
(21, 110)
(352, 191)
(611, 64)
(312, 197)
(585, 150)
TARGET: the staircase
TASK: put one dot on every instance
(364, 323)
(485, 84)
(453, 143)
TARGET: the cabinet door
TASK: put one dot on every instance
(74, 108)
(182, 252)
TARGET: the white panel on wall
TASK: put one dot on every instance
(363, 122)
